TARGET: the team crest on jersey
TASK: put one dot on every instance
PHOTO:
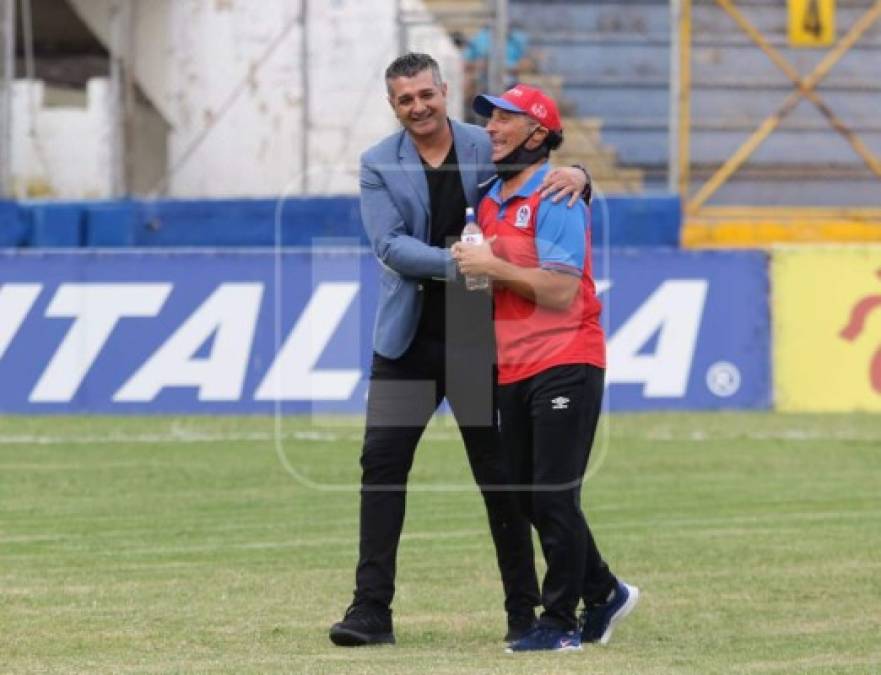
(523, 214)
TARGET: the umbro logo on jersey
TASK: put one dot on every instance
(560, 403)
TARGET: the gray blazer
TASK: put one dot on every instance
(396, 216)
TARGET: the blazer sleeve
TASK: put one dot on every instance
(389, 237)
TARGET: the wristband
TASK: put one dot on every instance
(587, 193)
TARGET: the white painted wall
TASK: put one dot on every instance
(252, 148)
(61, 151)
(352, 42)
(191, 54)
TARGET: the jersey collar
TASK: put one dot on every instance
(525, 190)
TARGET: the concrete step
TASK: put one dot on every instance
(587, 146)
(455, 6)
(553, 86)
(605, 173)
(585, 155)
(459, 16)
(584, 144)
(610, 186)
(583, 131)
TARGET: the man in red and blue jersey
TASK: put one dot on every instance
(551, 364)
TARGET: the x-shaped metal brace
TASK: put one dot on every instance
(804, 88)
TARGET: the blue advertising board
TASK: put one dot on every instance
(254, 331)
(687, 330)
(619, 220)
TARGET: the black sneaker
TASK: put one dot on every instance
(363, 625)
(519, 625)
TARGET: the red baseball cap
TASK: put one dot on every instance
(523, 99)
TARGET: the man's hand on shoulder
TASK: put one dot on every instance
(569, 181)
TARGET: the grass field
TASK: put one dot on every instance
(185, 545)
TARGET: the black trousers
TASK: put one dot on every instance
(403, 395)
(548, 423)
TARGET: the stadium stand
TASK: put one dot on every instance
(584, 135)
(612, 54)
(610, 65)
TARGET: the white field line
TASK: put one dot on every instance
(316, 542)
(672, 525)
(185, 436)
(770, 518)
(177, 436)
(778, 435)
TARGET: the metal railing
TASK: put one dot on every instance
(7, 77)
(696, 195)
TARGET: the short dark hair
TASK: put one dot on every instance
(554, 140)
(410, 65)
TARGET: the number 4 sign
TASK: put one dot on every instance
(811, 23)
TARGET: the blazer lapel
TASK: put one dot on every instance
(466, 152)
(411, 165)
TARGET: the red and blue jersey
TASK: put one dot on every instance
(538, 233)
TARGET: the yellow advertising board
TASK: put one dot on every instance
(826, 317)
(811, 23)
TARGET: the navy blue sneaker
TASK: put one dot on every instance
(598, 621)
(519, 624)
(547, 639)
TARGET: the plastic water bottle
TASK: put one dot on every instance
(473, 236)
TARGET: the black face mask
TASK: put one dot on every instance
(519, 158)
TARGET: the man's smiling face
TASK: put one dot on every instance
(419, 102)
(507, 130)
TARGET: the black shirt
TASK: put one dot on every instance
(446, 198)
(472, 310)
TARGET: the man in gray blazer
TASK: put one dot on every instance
(432, 340)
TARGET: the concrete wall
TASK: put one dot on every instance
(65, 150)
(191, 55)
